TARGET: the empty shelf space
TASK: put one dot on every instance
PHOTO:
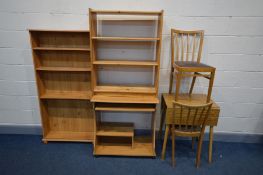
(125, 89)
(115, 129)
(126, 63)
(66, 95)
(65, 69)
(62, 59)
(69, 136)
(142, 146)
(58, 39)
(62, 48)
(124, 39)
(125, 107)
(65, 85)
(125, 98)
(66, 120)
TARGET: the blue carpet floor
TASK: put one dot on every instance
(26, 154)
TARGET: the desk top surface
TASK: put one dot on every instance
(194, 99)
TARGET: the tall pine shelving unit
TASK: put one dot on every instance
(63, 75)
(119, 138)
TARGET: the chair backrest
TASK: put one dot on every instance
(186, 45)
(189, 116)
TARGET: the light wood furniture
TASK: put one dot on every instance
(187, 121)
(63, 76)
(186, 52)
(194, 99)
(119, 138)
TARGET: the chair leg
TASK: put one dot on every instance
(178, 83)
(167, 128)
(193, 143)
(199, 150)
(171, 81)
(211, 133)
(192, 85)
(173, 146)
(211, 82)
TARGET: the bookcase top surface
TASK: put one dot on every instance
(126, 12)
(49, 30)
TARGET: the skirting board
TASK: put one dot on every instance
(20, 129)
(218, 136)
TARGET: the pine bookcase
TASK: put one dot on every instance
(119, 138)
(63, 75)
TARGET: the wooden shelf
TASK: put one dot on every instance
(115, 129)
(125, 63)
(66, 95)
(128, 19)
(125, 107)
(124, 39)
(125, 98)
(64, 69)
(69, 136)
(125, 89)
(61, 49)
(142, 147)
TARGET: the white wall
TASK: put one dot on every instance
(233, 44)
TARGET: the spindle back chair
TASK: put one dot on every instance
(187, 121)
(186, 53)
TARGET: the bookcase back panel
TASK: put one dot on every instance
(64, 59)
(133, 76)
(124, 141)
(62, 39)
(66, 81)
(125, 50)
(127, 28)
(70, 115)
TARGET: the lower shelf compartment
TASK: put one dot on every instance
(115, 129)
(142, 146)
(69, 136)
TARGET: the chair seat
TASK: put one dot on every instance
(192, 66)
(188, 132)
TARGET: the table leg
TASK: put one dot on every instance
(167, 128)
(161, 124)
(210, 151)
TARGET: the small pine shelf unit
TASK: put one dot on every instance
(119, 138)
(63, 76)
